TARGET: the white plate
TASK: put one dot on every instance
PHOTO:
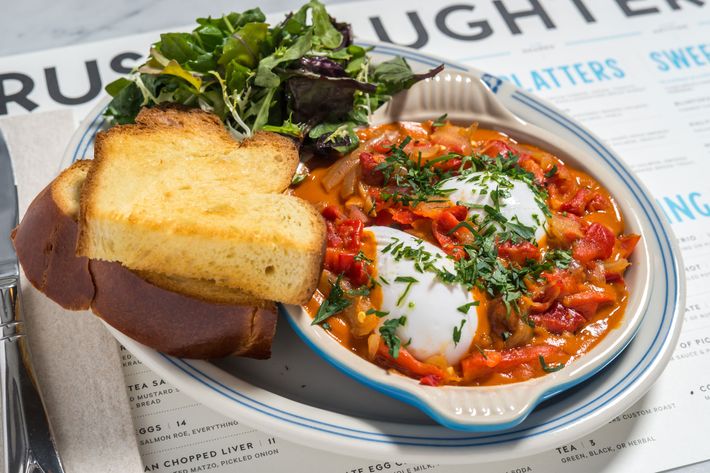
(300, 397)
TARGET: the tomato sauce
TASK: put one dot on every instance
(565, 310)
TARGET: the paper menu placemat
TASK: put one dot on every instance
(636, 73)
(74, 357)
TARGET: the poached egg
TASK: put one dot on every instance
(517, 201)
(431, 307)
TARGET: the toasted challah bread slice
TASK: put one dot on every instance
(175, 210)
(65, 191)
(177, 142)
(203, 289)
(165, 320)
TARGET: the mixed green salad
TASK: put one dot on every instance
(303, 77)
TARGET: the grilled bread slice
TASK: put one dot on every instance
(175, 143)
(166, 320)
(208, 208)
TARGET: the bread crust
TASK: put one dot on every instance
(45, 242)
(175, 324)
(167, 321)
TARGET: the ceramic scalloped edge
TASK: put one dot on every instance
(466, 98)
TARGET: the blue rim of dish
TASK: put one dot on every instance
(672, 280)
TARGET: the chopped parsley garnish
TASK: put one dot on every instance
(551, 172)
(360, 291)
(505, 335)
(410, 182)
(360, 256)
(387, 332)
(441, 121)
(559, 258)
(379, 313)
(410, 281)
(483, 353)
(547, 368)
(466, 307)
(480, 267)
(463, 224)
(457, 332)
(334, 303)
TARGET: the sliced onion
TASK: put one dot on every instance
(336, 173)
(349, 182)
(369, 206)
(356, 213)
(373, 343)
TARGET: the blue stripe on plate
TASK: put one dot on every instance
(634, 374)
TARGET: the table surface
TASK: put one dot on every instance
(72, 22)
(55, 24)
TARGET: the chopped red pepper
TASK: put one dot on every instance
(449, 164)
(342, 262)
(578, 203)
(332, 213)
(559, 319)
(383, 146)
(368, 163)
(407, 364)
(332, 237)
(442, 228)
(599, 202)
(597, 243)
(481, 364)
(587, 302)
(350, 231)
(519, 252)
(402, 215)
(528, 164)
(627, 243)
(496, 148)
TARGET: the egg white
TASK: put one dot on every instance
(431, 306)
(519, 201)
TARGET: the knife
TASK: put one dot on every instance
(28, 441)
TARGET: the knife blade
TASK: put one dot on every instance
(28, 441)
(8, 212)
